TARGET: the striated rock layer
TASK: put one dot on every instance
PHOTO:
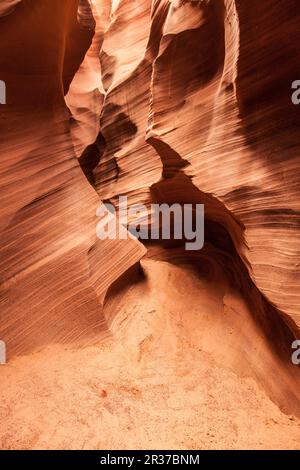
(7, 6)
(54, 271)
(162, 101)
(192, 87)
(195, 110)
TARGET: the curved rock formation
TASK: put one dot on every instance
(54, 270)
(186, 117)
(7, 6)
(167, 101)
(187, 82)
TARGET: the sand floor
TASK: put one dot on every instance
(159, 381)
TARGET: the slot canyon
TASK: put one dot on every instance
(124, 343)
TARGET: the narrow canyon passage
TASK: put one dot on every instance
(120, 343)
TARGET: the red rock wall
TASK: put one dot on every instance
(54, 272)
(203, 89)
(178, 101)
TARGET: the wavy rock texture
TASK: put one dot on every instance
(7, 6)
(54, 271)
(187, 83)
(161, 101)
(193, 112)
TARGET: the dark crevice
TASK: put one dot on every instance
(91, 156)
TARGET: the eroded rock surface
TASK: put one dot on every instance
(54, 271)
(161, 101)
(195, 84)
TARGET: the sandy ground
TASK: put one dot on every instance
(162, 381)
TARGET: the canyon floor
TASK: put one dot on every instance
(117, 344)
(168, 376)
